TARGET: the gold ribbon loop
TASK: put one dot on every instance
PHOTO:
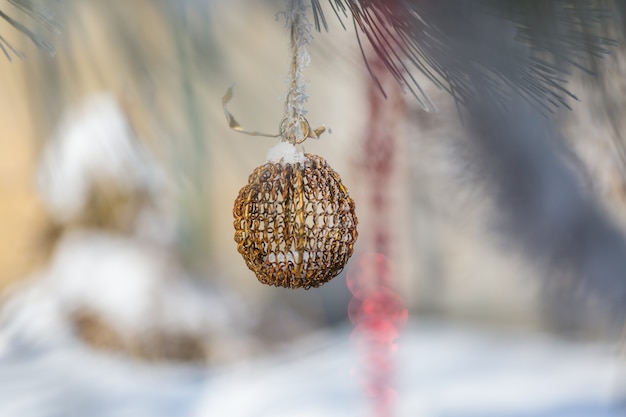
(233, 123)
(285, 130)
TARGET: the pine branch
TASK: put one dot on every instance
(40, 13)
(483, 50)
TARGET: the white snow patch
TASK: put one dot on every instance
(285, 153)
(93, 142)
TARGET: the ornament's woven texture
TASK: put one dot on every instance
(295, 224)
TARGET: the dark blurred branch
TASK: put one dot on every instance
(543, 205)
(460, 47)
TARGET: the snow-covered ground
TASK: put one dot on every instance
(442, 371)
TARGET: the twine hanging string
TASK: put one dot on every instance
(294, 127)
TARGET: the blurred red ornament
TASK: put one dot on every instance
(368, 273)
(376, 311)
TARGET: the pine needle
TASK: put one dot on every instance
(40, 13)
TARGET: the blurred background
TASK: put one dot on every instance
(122, 289)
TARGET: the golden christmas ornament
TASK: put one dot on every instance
(294, 223)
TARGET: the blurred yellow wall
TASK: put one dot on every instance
(21, 215)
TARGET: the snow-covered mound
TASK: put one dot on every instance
(113, 279)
